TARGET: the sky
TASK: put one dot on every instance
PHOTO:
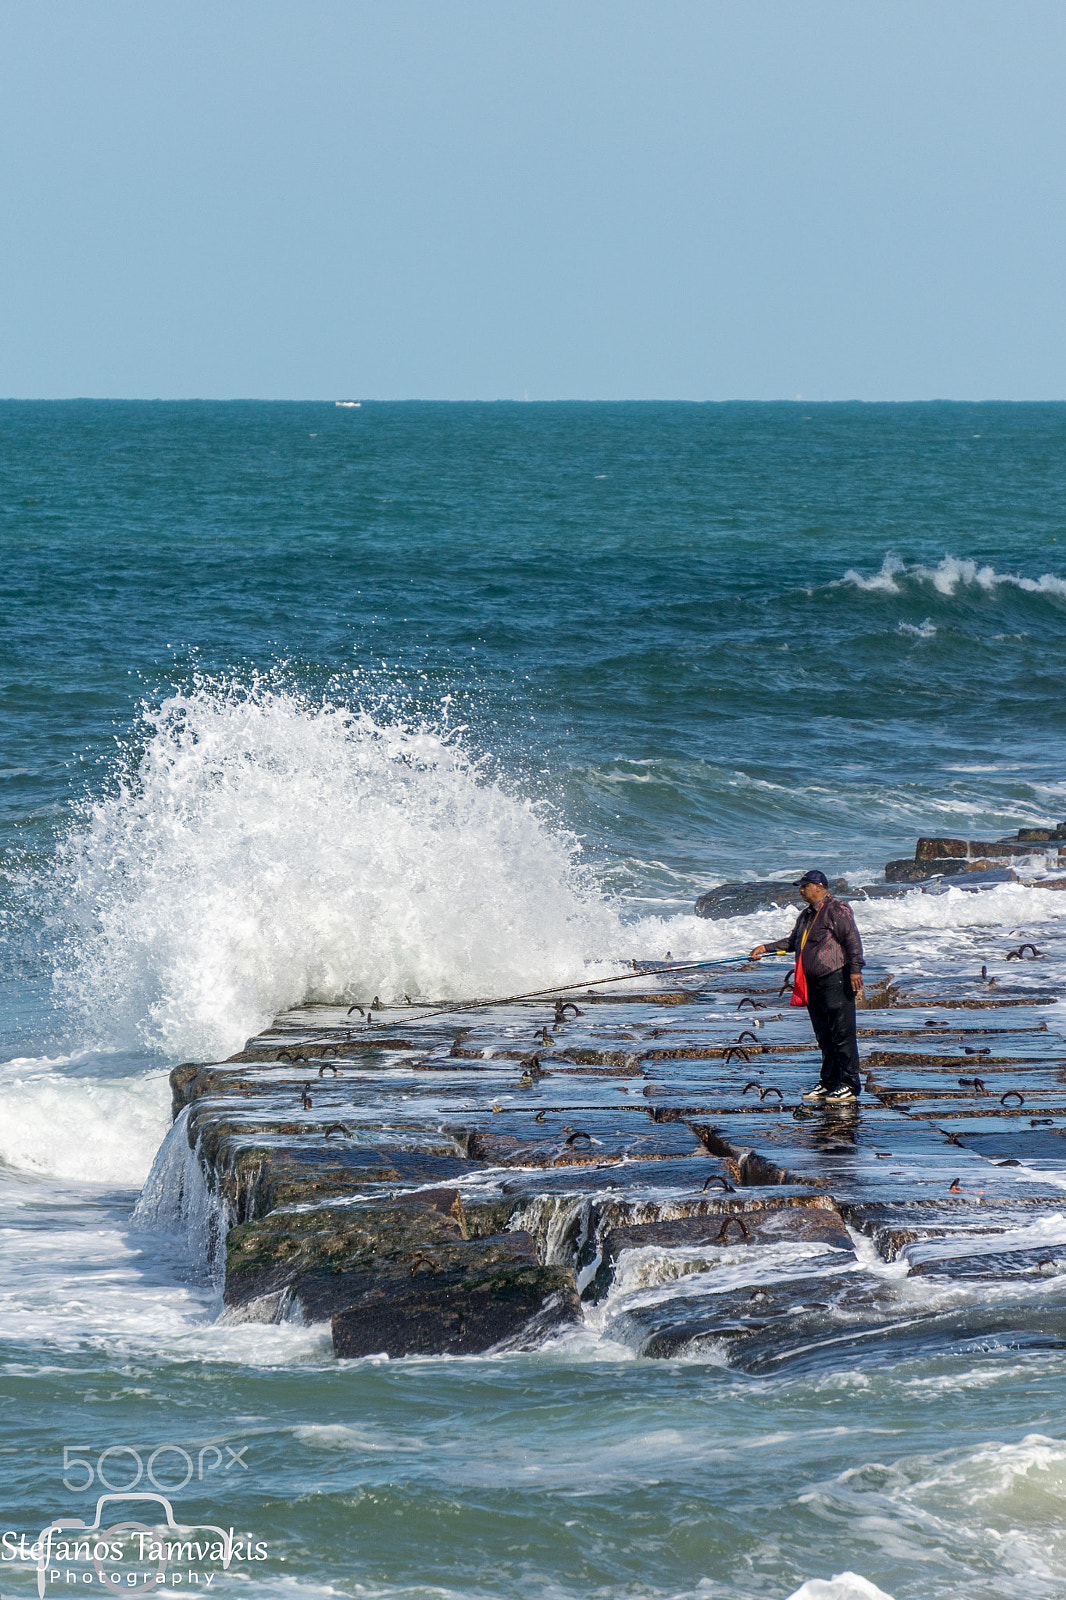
(542, 199)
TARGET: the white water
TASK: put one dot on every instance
(67, 1117)
(266, 851)
(948, 576)
(842, 1586)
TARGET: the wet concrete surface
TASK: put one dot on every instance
(647, 1169)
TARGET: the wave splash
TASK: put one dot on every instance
(73, 1118)
(947, 577)
(266, 850)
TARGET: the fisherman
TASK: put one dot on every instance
(829, 963)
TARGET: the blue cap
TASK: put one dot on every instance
(812, 877)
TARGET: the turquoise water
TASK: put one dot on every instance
(296, 697)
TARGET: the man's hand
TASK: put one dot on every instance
(760, 950)
(856, 982)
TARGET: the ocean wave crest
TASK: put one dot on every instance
(947, 577)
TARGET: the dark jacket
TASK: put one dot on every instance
(833, 941)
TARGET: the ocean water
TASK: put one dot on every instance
(308, 702)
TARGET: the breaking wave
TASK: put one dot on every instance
(70, 1117)
(264, 850)
(947, 577)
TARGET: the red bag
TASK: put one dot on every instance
(799, 980)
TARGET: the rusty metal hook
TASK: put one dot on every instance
(1012, 1094)
(716, 1177)
(724, 1229)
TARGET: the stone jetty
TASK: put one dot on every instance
(637, 1155)
(1033, 856)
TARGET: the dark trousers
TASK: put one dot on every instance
(831, 1008)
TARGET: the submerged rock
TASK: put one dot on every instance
(907, 871)
(398, 1279)
(771, 894)
(925, 871)
(741, 899)
(466, 1299)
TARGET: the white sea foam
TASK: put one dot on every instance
(923, 630)
(885, 579)
(85, 1282)
(266, 850)
(950, 574)
(992, 1512)
(63, 1120)
(844, 1586)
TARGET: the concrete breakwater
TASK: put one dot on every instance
(637, 1159)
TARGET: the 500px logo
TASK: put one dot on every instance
(171, 1459)
(145, 1546)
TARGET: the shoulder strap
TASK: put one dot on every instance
(813, 920)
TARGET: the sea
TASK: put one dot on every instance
(318, 701)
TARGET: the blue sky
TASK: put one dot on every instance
(482, 199)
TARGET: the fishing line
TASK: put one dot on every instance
(565, 988)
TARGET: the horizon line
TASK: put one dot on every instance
(511, 400)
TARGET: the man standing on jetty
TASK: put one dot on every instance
(829, 963)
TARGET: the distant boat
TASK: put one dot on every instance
(347, 402)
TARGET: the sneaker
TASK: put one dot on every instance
(842, 1097)
(817, 1094)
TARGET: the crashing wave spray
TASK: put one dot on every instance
(267, 850)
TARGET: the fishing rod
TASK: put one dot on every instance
(650, 971)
